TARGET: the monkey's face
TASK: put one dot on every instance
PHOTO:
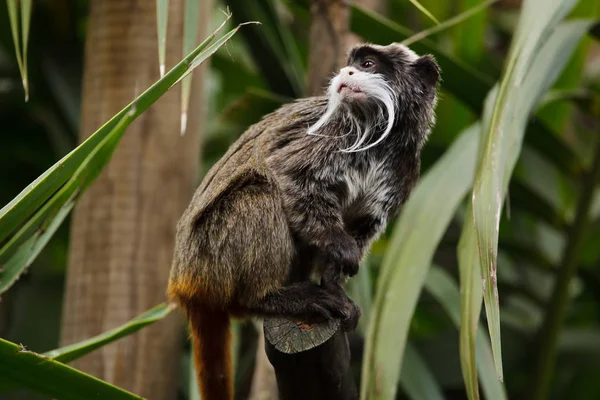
(377, 86)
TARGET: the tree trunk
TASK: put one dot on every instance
(123, 228)
(328, 35)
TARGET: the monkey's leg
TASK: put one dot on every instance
(306, 301)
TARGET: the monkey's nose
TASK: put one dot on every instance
(348, 71)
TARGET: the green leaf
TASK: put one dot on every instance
(31, 248)
(190, 30)
(471, 292)
(421, 225)
(25, 20)
(538, 53)
(77, 350)
(441, 286)
(424, 11)
(471, 296)
(162, 14)
(23, 216)
(26, 369)
(21, 53)
(448, 23)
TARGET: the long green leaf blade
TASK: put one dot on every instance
(77, 350)
(190, 30)
(405, 264)
(26, 369)
(538, 53)
(25, 19)
(14, 29)
(31, 248)
(471, 296)
(425, 11)
(162, 16)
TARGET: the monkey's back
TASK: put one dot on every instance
(233, 243)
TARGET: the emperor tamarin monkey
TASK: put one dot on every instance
(313, 183)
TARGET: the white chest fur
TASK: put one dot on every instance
(367, 188)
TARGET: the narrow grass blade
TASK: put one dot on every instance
(13, 17)
(441, 286)
(72, 352)
(162, 16)
(416, 378)
(190, 30)
(470, 304)
(538, 53)
(21, 368)
(448, 23)
(25, 19)
(424, 11)
(423, 221)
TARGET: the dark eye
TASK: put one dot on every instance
(367, 64)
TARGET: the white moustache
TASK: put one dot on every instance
(375, 89)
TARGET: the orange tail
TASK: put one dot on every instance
(211, 334)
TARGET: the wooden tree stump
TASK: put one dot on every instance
(310, 361)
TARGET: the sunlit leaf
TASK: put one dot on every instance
(423, 221)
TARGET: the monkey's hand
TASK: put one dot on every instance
(351, 312)
(343, 254)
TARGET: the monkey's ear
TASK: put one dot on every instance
(428, 69)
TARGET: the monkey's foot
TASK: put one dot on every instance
(304, 301)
